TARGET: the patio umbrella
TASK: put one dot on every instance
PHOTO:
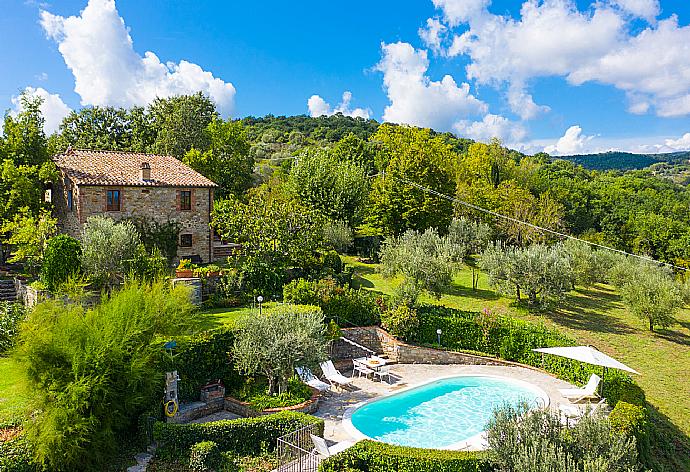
(587, 354)
(590, 355)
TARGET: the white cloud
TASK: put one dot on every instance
(318, 107)
(493, 126)
(52, 108)
(552, 38)
(98, 49)
(572, 142)
(432, 35)
(461, 11)
(417, 100)
(523, 104)
(680, 144)
(646, 9)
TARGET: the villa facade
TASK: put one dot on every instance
(125, 185)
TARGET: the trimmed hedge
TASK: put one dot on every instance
(205, 456)
(513, 339)
(244, 436)
(372, 456)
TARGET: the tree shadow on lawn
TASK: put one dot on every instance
(457, 290)
(669, 446)
(675, 336)
(587, 309)
(360, 282)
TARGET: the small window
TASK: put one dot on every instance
(185, 240)
(70, 199)
(113, 200)
(185, 200)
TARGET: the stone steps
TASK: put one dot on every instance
(7, 291)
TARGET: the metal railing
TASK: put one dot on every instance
(295, 451)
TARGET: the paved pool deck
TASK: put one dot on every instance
(335, 404)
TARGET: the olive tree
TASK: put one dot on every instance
(275, 342)
(426, 260)
(108, 248)
(650, 292)
(539, 271)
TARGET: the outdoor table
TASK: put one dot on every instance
(372, 362)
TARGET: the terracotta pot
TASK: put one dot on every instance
(184, 273)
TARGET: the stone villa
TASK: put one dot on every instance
(124, 185)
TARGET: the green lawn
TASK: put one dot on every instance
(12, 396)
(217, 317)
(594, 316)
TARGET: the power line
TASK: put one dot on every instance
(525, 223)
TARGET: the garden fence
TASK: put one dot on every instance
(296, 453)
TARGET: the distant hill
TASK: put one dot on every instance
(616, 160)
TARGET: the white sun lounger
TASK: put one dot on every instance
(333, 376)
(325, 451)
(571, 414)
(306, 376)
(588, 391)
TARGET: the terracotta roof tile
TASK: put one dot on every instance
(118, 168)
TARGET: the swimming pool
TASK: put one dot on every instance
(449, 413)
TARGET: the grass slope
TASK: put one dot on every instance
(593, 316)
(12, 397)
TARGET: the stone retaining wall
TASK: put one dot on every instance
(382, 342)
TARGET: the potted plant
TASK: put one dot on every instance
(185, 269)
(212, 270)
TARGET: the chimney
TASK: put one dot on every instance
(145, 171)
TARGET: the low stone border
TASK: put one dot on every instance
(244, 409)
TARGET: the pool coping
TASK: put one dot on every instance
(473, 443)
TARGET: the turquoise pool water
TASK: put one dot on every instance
(442, 413)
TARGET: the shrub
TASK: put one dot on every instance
(200, 359)
(535, 441)
(628, 419)
(92, 373)
(402, 321)
(11, 314)
(205, 456)
(16, 455)
(338, 236)
(344, 305)
(254, 392)
(61, 260)
(245, 436)
(371, 456)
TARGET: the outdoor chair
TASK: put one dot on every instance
(360, 369)
(588, 391)
(334, 377)
(306, 376)
(384, 371)
(325, 451)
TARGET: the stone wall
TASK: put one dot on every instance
(159, 204)
(381, 342)
(196, 410)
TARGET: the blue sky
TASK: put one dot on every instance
(554, 74)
